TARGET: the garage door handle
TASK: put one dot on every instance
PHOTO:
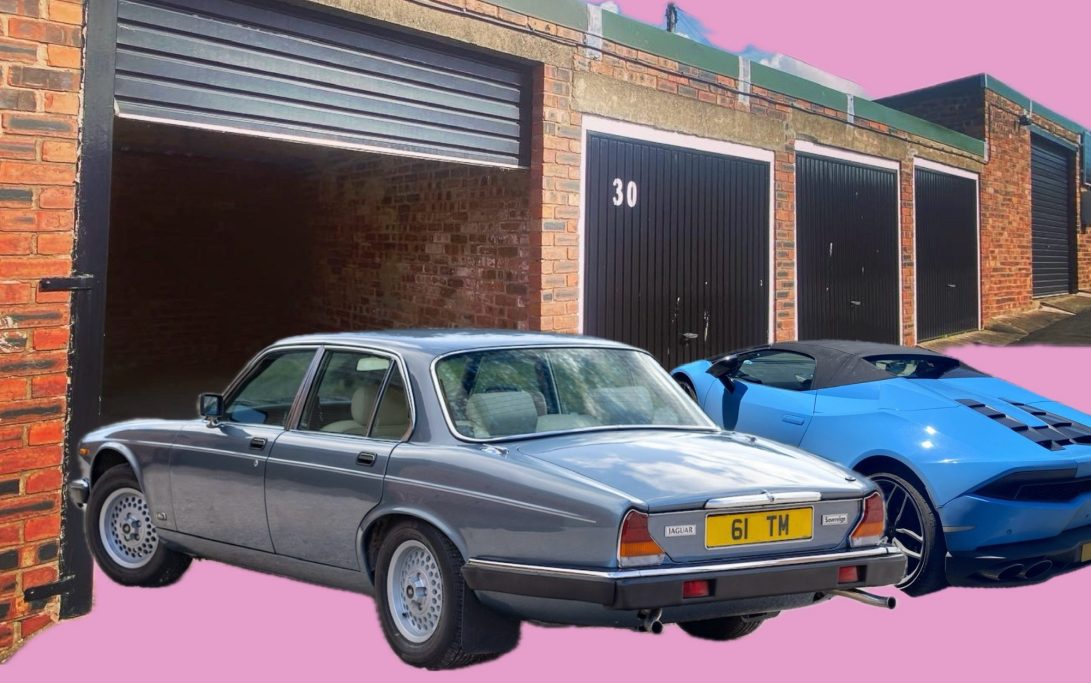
(366, 459)
(689, 337)
(856, 303)
(952, 285)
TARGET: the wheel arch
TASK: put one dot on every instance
(882, 462)
(374, 527)
(110, 455)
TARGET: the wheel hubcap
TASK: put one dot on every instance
(126, 529)
(414, 588)
(905, 526)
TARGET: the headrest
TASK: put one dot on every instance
(503, 413)
(622, 405)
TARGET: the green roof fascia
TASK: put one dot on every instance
(648, 38)
(570, 13)
(999, 87)
(880, 113)
(795, 86)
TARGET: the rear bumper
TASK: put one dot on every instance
(660, 587)
(1023, 563)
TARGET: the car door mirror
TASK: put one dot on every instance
(725, 369)
(211, 407)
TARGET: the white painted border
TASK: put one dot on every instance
(641, 133)
(961, 173)
(314, 142)
(805, 147)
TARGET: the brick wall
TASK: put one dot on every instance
(40, 61)
(195, 250)
(412, 243)
(959, 105)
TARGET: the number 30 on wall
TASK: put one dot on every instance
(625, 193)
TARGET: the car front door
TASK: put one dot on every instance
(217, 470)
(769, 396)
(326, 473)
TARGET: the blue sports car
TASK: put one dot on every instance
(986, 483)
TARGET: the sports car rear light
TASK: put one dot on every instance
(1042, 486)
(636, 547)
(696, 589)
(872, 525)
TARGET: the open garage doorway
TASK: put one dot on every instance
(221, 244)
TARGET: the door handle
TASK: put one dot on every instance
(793, 419)
(366, 459)
(856, 303)
(688, 338)
(257, 443)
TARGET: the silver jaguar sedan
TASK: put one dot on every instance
(472, 480)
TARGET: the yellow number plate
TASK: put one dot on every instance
(1085, 554)
(750, 528)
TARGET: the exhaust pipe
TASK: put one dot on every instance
(650, 621)
(866, 598)
(1011, 572)
(1038, 570)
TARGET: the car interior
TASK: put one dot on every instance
(359, 395)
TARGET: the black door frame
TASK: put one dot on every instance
(937, 167)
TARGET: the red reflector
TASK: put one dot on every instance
(848, 575)
(696, 589)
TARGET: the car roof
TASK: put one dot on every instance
(437, 342)
(840, 362)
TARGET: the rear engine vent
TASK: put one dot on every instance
(1058, 432)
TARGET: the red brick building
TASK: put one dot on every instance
(183, 181)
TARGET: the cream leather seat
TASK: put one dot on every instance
(363, 403)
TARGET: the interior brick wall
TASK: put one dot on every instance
(397, 242)
(200, 246)
(40, 70)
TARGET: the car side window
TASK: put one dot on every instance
(265, 397)
(777, 369)
(392, 418)
(347, 389)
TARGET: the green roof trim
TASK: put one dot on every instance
(647, 38)
(999, 87)
(881, 113)
(641, 36)
(570, 13)
(794, 86)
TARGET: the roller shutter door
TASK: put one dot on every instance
(1053, 224)
(266, 69)
(676, 248)
(847, 251)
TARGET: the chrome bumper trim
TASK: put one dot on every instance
(613, 575)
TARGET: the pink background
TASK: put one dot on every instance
(223, 622)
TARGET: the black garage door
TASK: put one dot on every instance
(1053, 223)
(847, 242)
(947, 254)
(258, 67)
(677, 249)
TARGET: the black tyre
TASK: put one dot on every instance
(914, 526)
(429, 616)
(122, 536)
(687, 386)
(724, 628)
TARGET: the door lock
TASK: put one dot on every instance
(257, 443)
(366, 459)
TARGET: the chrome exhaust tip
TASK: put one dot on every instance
(650, 621)
(866, 598)
(1038, 570)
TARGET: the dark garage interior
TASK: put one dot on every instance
(222, 243)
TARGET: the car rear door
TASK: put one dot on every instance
(326, 473)
(217, 472)
(771, 396)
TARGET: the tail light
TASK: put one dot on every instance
(872, 526)
(636, 547)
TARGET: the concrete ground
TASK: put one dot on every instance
(1059, 321)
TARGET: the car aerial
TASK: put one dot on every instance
(471, 480)
(986, 483)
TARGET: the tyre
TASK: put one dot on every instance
(122, 536)
(687, 386)
(724, 628)
(914, 526)
(430, 618)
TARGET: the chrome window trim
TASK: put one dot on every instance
(621, 574)
(312, 379)
(440, 396)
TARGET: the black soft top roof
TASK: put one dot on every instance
(839, 362)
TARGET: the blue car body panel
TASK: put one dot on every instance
(927, 426)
